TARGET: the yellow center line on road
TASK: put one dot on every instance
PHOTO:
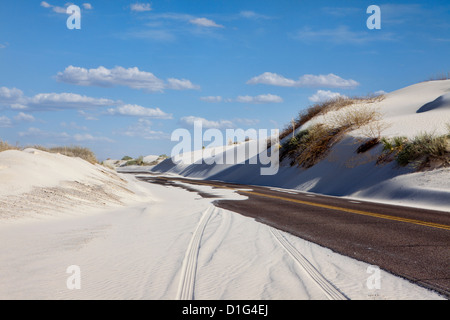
(325, 206)
(360, 212)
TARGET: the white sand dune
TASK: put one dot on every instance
(150, 158)
(443, 102)
(423, 107)
(34, 183)
(417, 109)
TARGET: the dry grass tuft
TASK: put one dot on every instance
(310, 146)
(76, 152)
(4, 146)
(70, 151)
(353, 117)
(325, 107)
(440, 76)
(315, 144)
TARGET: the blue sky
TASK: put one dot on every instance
(138, 70)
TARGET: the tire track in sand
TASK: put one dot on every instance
(189, 267)
(329, 289)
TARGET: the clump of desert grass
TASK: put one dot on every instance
(139, 161)
(424, 151)
(309, 146)
(4, 146)
(70, 151)
(76, 152)
(325, 107)
(440, 76)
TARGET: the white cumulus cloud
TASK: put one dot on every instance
(380, 93)
(119, 76)
(272, 79)
(36, 132)
(16, 99)
(5, 122)
(181, 84)
(260, 99)
(331, 81)
(141, 7)
(142, 129)
(83, 137)
(11, 95)
(208, 124)
(67, 100)
(56, 9)
(45, 4)
(252, 15)
(263, 98)
(325, 95)
(204, 22)
(212, 99)
(24, 117)
(139, 111)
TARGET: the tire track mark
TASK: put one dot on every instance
(189, 267)
(329, 289)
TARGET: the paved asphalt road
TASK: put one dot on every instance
(408, 242)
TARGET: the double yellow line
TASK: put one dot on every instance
(314, 204)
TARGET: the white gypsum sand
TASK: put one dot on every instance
(35, 183)
(134, 240)
(166, 249)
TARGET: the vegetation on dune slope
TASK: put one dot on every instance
(307, 147)
(4, 146)
(339, 116)
(70, 151)
(425, 151)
